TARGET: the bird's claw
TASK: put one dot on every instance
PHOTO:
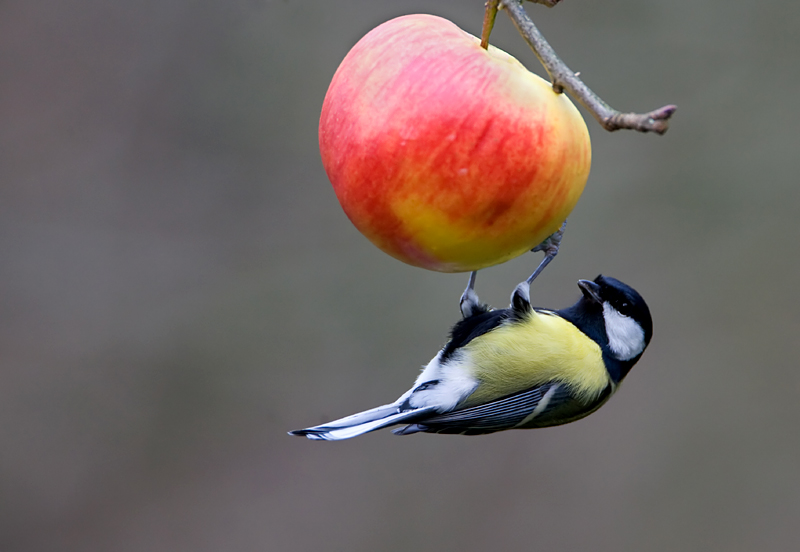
(550, 247)
(551, 243)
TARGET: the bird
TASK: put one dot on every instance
(519, 367)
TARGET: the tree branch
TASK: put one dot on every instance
(564, 79)
(548, 3)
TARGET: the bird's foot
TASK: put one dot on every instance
(550, 248)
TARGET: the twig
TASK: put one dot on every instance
(488, 22)
(548, 3)
(564, 79)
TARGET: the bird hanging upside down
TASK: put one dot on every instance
(517, 368)
(520, 367)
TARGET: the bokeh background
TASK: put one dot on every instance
(179, 287)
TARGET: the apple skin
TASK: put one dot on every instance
(445, 155)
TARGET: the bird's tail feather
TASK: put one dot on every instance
(363, 422)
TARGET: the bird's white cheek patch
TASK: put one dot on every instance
(625, 335)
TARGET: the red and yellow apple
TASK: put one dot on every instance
(445, 155)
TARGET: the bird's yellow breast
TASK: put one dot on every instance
(543, 347)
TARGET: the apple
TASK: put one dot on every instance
(445, 155)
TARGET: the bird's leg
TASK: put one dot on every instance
(550, 247)
(469, 299)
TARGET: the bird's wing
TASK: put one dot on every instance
(545, 405)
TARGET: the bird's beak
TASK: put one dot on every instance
(590, 290)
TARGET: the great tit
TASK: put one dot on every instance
(517, 368)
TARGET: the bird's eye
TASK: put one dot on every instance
(624, 308)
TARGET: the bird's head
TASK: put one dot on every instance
(625, 315)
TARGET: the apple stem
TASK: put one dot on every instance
(488, 22)
(565, 79)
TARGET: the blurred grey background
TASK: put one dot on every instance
(179, 287)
